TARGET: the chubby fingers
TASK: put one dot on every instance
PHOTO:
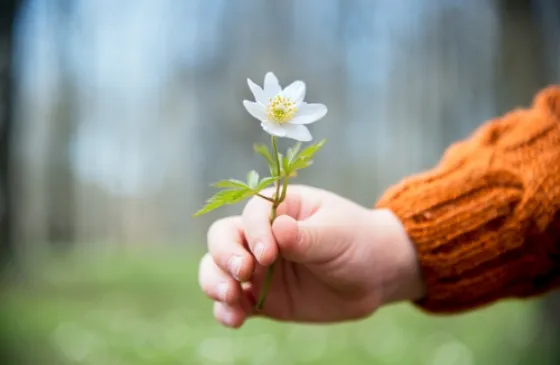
(231, 301)
(217, 284)
(226, 246)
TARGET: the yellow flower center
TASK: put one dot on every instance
(280, 109)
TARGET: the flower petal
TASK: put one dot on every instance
(295, 91)
(255, 109)
(273, 128)
(298, 132)
(271, 85)
(258, 92)
(309, 113)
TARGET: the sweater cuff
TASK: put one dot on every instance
(485, 221)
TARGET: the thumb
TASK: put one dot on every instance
(304, 242)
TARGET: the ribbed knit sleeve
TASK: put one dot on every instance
(486, 219)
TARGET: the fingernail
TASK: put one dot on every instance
(234, 266)
(259, 248)
(223, 290)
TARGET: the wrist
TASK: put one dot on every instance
(402, 277)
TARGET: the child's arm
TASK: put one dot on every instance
(486, 219)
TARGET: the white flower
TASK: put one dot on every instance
(282, 112)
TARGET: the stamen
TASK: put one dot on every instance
(281, 109)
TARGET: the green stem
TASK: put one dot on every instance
(266, 198)
(284, 189)
(278, 171)
(277, 200)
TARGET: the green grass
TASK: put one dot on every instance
(148, 309)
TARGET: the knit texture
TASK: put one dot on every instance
(486, 219)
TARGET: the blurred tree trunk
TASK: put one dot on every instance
(60, 210)
(521, 71)
(8, 12)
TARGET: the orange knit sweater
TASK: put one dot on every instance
(486, 219)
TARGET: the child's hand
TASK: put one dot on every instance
(335, 259)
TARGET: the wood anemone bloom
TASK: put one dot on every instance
(282, 112)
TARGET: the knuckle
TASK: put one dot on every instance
(245, 269)
(252, 238)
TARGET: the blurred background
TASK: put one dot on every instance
(116, 115)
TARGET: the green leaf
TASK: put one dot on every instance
(309, 152)
(242, 195)
(217, 200)
(252, 179)
(285, 165)
(304, 158)
(272, 169)
(292, 152)
(266, 181)
(223, 197)
(263, 150)
(230, 183)
(210, 206)
(300, 164)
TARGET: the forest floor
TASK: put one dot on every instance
(147, 308)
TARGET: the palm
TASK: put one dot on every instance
(314, 291)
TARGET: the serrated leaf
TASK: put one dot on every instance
(304, 158)
(252, 179)
(309, 152)
(224, 197)
(242, 195)
(217, 200)
(228, 195)
(300, 164)
(263, 150)
(266, 181)
(231, 183)
(210, 206)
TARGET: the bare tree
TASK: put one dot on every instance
(8, 13)
(520, 66)
(61, 212)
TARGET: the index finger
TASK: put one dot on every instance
(258, 229)
(226, 245)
